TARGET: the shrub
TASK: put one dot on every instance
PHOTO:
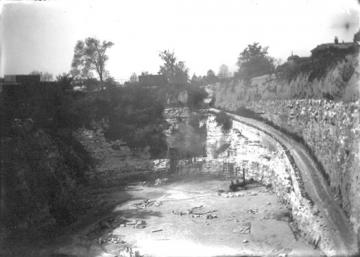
(243, 111)
(135, 115)
(196, 96)
(224, 121)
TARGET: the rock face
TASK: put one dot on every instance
(228, 153)
(341, 82)
(329, 128)
(114, 160)
(332, 132)
(265, 161)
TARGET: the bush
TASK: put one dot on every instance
(224, 121)
(242, 111)
(196, 96)
(43, 160)
(135, 115)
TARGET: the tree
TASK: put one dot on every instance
(196, 96)
(255, 61)
(174, 71)
(195, 80)
(224, 121)
(188, 139)
(44, 76)
(110, 83)
(90, 55)
(135, 115)
(65, 80)
(224, 72)
(134, 78)
(356, 37)
(211, 77)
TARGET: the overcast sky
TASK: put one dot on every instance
(203, 33)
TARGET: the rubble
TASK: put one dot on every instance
(253, 211)
(129, 252)
(231, 194)
(135, 223)
(114, 239)
(140, 224)
(147, 203)
(211, 216)
(197, 212)
(244, 228)
(157, 230)
(160, 181)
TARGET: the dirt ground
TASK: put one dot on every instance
(192, 217)
(187, 217)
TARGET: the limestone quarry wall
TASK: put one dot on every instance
(340, 82)
(329, 128)
(228, 153)
(114, 160)
(332, 132)
(265, 161)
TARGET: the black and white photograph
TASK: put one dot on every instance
(179, 128)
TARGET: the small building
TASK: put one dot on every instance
(21, 86)
(22, 79)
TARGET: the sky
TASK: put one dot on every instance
(205, 34)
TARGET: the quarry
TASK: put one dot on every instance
(259, 161)
(153, 211)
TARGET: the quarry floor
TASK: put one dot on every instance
(160, 220)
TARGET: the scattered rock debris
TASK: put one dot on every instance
(211, 216)
(114, 239)
(157, 230)
(147, 203)
(140, 224)
(136, 223)
(197, 212)
(281, 252)
(244, 228)
(160, 181)
(129, 252)
(253, 211)
(231, 194)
